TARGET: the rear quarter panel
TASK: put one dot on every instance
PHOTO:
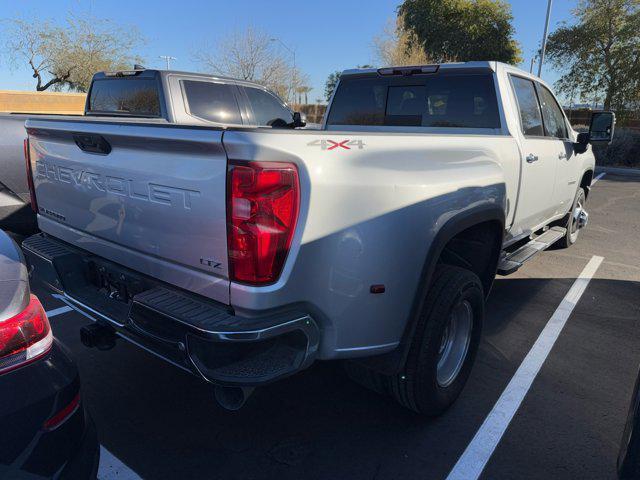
(368, 216)
(14, 280)
(12, 171)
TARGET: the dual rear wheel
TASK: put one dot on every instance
(443, 347)
(447, 335)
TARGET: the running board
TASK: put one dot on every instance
(512, 261)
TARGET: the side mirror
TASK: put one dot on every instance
(582, 143)
(602, 127)
(299, 120)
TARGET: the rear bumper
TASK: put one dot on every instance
(189, 331)
(31, 395)
(86, 461)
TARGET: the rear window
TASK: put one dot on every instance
(212, 101)
(125, 96)
(445, 100)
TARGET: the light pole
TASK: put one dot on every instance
(293, 54)
(544, 38)
(168, 59)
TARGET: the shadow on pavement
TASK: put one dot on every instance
(165, 423)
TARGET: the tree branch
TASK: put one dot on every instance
(55, 79)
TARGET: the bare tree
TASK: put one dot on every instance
(251, 55)
(69, 55)
(395, 46)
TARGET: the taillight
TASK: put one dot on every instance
(32, 190)
(263, 200)
(24, 337)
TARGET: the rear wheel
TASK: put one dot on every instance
(443, 346)
(578, 219)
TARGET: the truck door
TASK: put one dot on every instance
(555, 129)
(539, 160)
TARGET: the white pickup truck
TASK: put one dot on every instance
(245, 250)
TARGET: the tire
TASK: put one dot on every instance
(454, 302)
(572, 225)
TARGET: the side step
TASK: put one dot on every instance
(512, 261)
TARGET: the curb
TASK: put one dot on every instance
(618, 170)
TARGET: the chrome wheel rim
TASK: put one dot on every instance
(578, 212)
(454, 345)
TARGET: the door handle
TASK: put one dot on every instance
(562, 155)
(532, 158)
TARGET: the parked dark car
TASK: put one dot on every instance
(45, 431)
(629, 456)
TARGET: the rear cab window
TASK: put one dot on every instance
(448, 100)
(129, 96)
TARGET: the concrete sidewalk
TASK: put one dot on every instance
(618, 170)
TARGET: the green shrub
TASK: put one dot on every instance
(624, 150)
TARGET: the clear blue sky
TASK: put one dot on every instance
(328, 35)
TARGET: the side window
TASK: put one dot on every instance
(529, 108)
(267, 109)
(554, 125)
(212, 101)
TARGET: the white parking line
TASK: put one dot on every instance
(58, 311)
(472, 462)
(7, 200)
(593, 182)
(112, 468)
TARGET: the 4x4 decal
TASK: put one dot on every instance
(333, 145)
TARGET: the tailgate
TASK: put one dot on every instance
(150, 197)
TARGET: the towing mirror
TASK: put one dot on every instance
(602, 127)
(600, 132)
(299, 119)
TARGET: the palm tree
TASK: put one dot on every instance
(303, 90)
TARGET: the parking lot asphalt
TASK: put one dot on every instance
(164, 423)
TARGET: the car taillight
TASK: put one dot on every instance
(24, 337)
(263, 200)
(32, 190)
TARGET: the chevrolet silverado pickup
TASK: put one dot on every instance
(243, 253)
